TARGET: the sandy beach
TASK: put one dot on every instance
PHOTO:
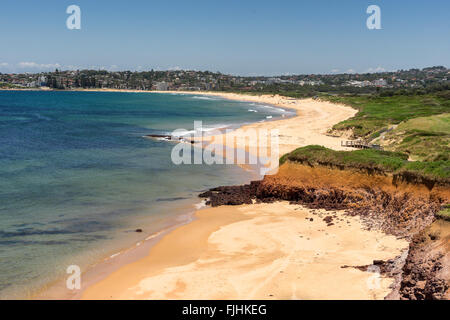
(308, 127)
(263, 251)
(225, 159)
(260, 251)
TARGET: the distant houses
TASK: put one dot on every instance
(366, 83)
(161, 86)
(189, 80)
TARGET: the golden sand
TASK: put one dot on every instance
(260, 251)
(263, 251)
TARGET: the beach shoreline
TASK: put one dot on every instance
(57, 290)
(309, 126)
(314, 117)
(126, 254)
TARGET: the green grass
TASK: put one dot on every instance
(427, 138)
(444, 213)
(439, 124)
(423, 123)
(376, 113)
(369, 160)
(431, 169)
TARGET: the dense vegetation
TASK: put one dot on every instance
(369, 160)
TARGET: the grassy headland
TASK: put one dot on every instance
(418, 125)
(377, 112)
(372, 161)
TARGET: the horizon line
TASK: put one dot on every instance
(348, 72)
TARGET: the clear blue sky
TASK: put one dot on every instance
(244, 37)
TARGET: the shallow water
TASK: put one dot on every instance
(76, 176)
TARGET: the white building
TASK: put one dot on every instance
(380, 83)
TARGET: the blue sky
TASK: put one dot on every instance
(243, 37)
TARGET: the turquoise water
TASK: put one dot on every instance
(77, 177)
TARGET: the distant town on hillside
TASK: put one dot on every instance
(432, 78)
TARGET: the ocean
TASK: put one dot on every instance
(77, 177)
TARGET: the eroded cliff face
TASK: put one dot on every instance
(395, 205)
(400, 205)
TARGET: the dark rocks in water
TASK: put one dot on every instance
(170, 199)
(138, 230)
(159, 136)
(164, 137)
(169, 138)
